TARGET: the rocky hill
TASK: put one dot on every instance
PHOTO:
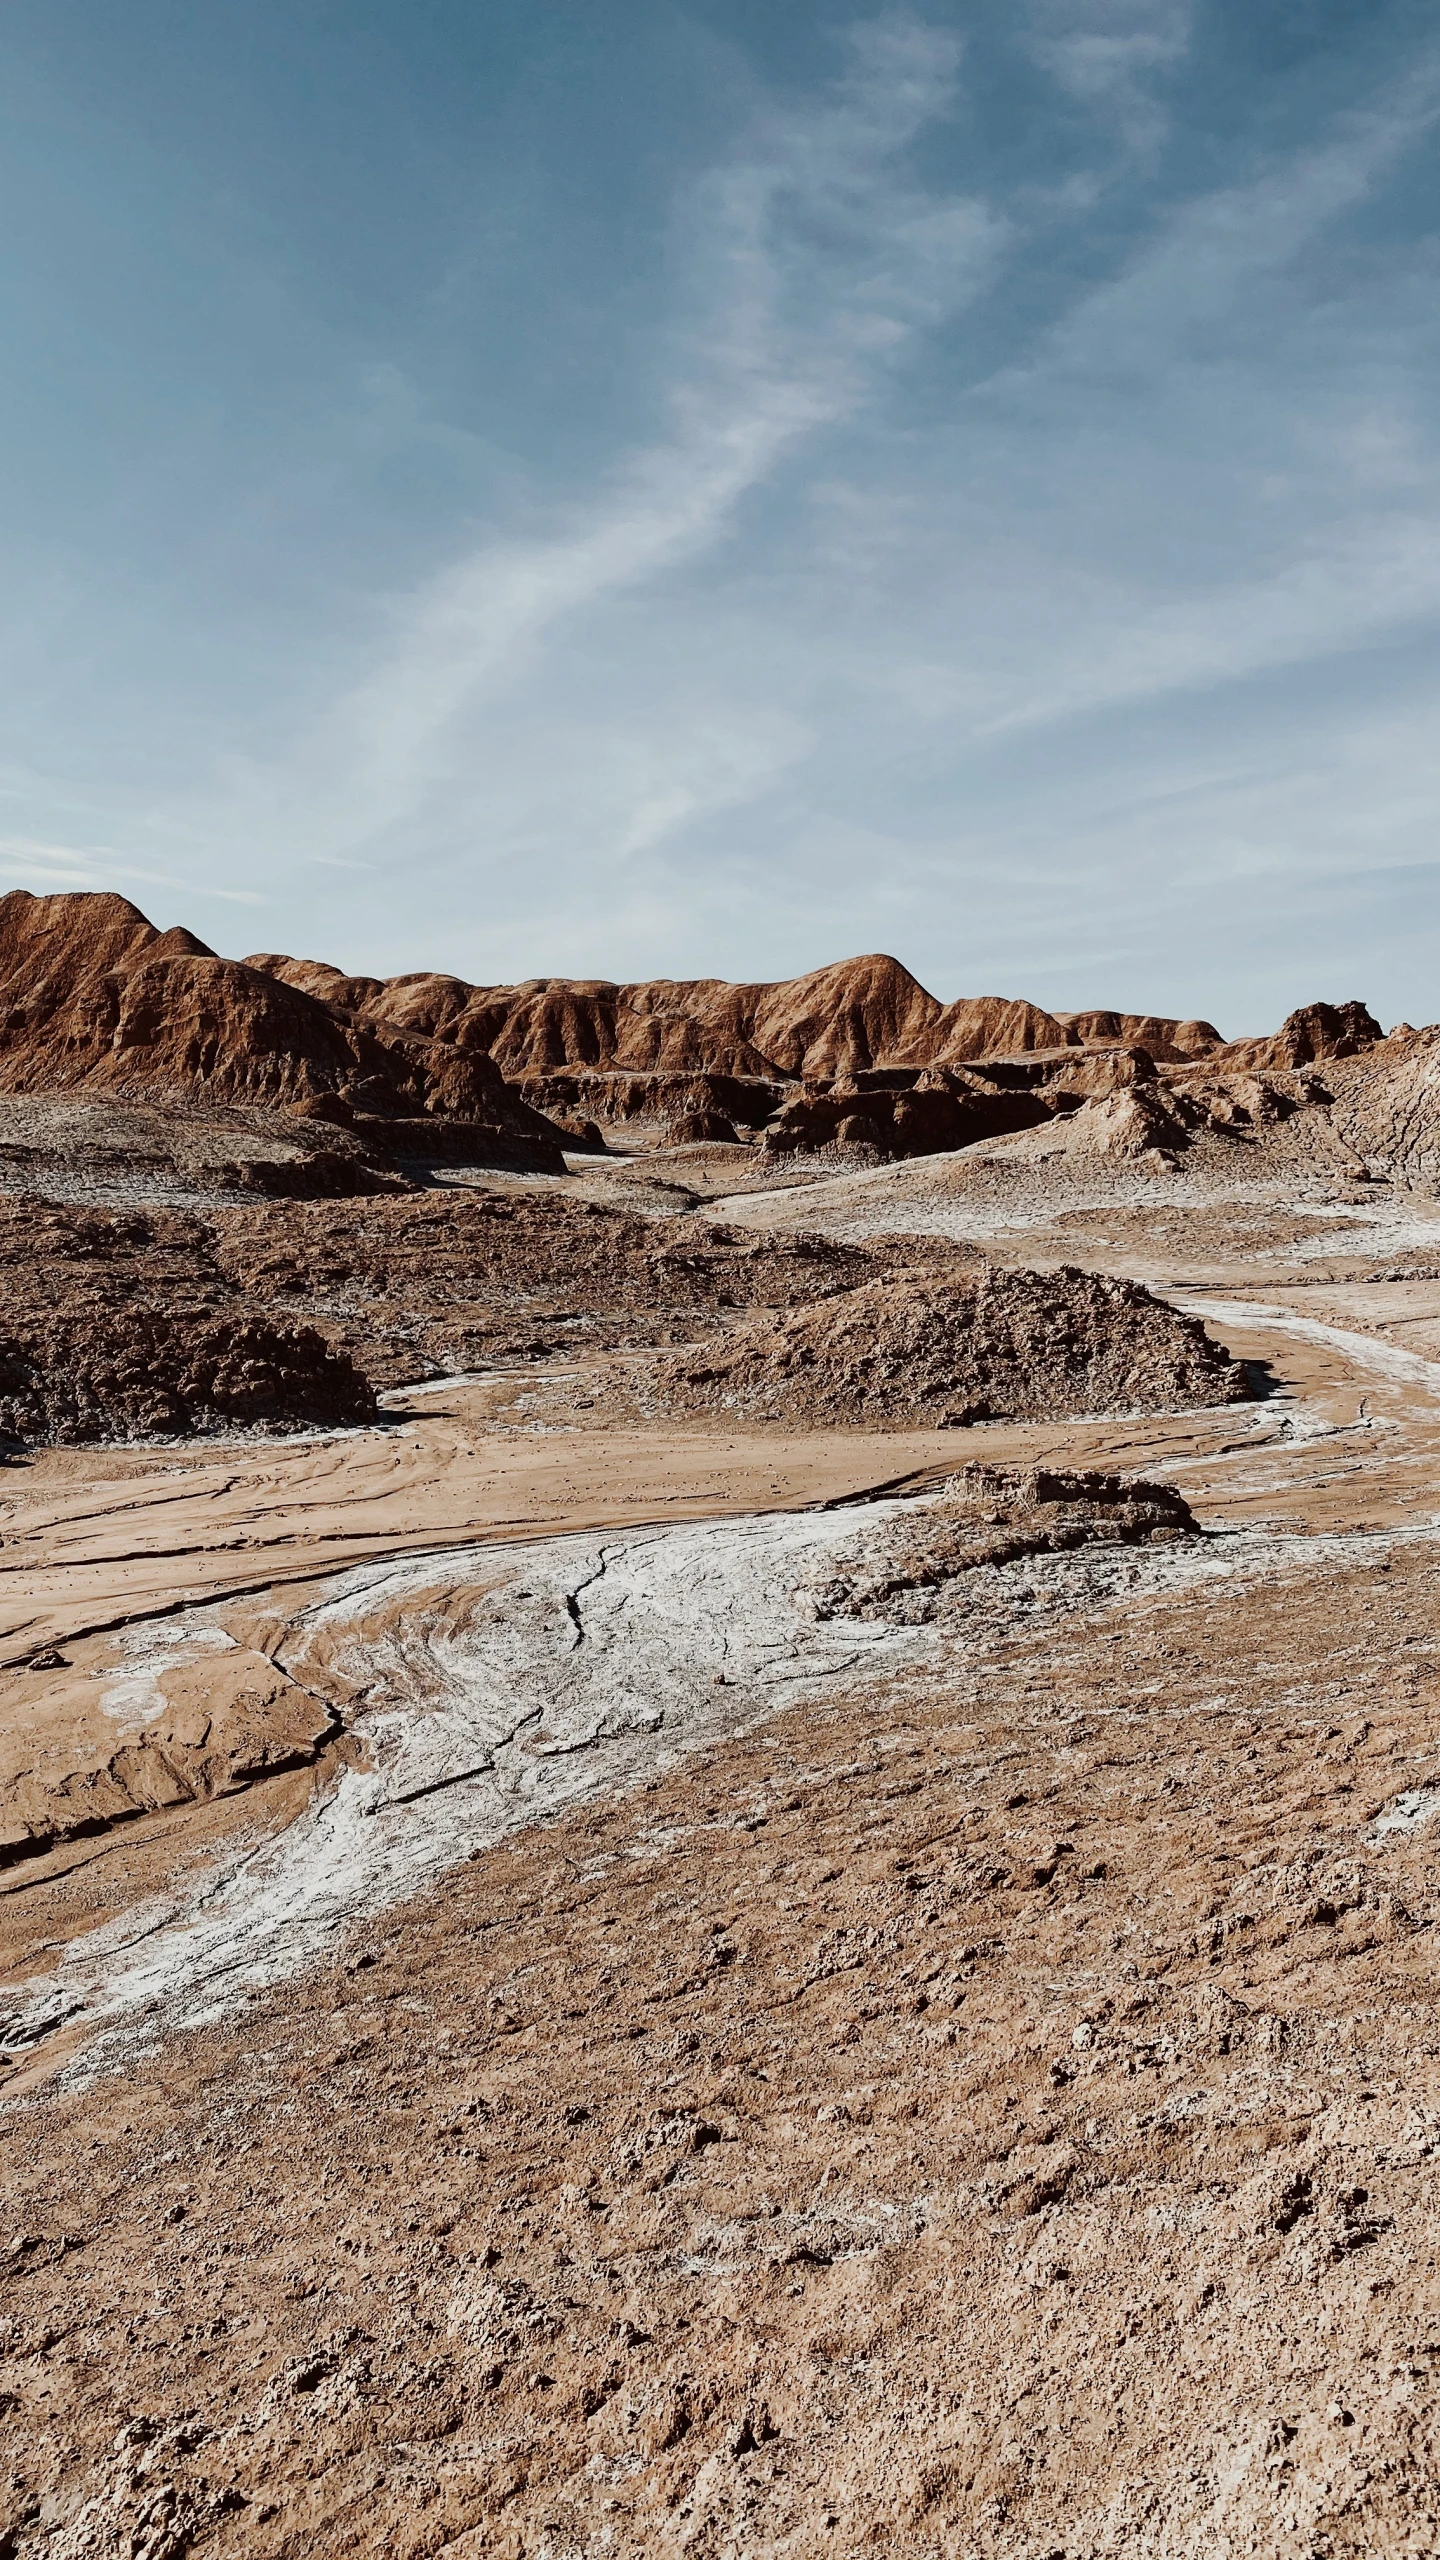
(925, 1347)
(95, 999)
(92, 995)
(851, 1018)
(857, 1055)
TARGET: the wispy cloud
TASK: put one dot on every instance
(816, 260)
(32, 861)
(1205, 470)
(1220, 241)
(1106, 54)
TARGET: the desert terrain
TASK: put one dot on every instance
(718, 1767)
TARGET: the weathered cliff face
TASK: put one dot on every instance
(833, 1023)
(92, 995)
(1385, 1104)
(853, 1018)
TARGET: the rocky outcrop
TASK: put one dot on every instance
(215, 1726)
(1315, 1032)
(925, 1349)
(921, 1116)
(92, 996)
(1385, 1106)
(640, 1103)
(991, 1516)
(290, 1314)
(1156, 1033)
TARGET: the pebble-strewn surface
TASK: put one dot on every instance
(999, 2117)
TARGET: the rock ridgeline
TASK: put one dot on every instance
(852, 1017)
(94, 998)
(855, 1056)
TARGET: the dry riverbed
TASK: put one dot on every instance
(660, 2060)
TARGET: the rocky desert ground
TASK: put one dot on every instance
(718, 1768)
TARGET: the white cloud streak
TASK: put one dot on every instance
(1106, 54)
(34, 863)
(819, 261)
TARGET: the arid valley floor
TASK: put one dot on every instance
(719, 1837)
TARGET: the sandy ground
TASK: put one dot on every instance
(675, 2072)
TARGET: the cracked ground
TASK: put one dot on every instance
(797, 2084)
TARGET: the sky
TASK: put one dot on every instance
(709, 489)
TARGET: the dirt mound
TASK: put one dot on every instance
(994, 1516)
(931, 1349)
(76, 1146)
(459, 1280)
(144, 1374)
(124, 1325)
(296, 1312)
(1128, 1115)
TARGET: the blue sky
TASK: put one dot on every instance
(709, 489)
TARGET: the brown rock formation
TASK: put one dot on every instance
(837, 1021)
(858, 1054)
(1157, 1033)
(1314, 1032)
(92, 995)
(941, 1109)
(993, 1516)
(284, 1314)
(656, 1052)
(1385, 1105)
